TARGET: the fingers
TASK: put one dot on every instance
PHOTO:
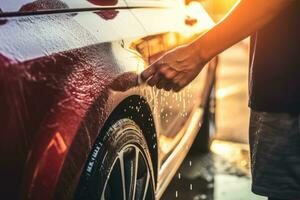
(152, 69)
(168, 73)
(180, 86)
(147, 73)
(177, 82)
(181, 81)
(161, 84)
(172, 83)
(169, 79)
(154, 79)
(168, 86)
(165, 77)
(162, 75)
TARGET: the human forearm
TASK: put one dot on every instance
(177, 68)
(247, 17)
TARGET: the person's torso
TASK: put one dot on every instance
(275, 64)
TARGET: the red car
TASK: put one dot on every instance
(75, 121)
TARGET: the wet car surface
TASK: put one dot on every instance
(73, 114)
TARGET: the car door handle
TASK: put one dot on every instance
(190, 21)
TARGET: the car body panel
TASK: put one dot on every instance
(52, 72)
(63, 74)
(36, 6)
(153, 3)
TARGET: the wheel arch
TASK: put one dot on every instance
(133, 107)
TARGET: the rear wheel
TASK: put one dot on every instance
(119, 166)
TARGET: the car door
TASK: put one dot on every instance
(170, 23)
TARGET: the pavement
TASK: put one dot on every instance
(224, 173)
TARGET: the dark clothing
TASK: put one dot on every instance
(275, 154)
(275, 199)
(274, 90)
(275, 64)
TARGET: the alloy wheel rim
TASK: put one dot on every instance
(129, 178)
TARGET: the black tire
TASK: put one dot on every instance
(122, 144)
(203, 139)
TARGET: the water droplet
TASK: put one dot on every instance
(176, 194)
(191, 186)
(210, 185)
(200, 196)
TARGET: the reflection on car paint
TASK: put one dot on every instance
(107, 14)
(43, 5)
(103, 2)
(68, 80)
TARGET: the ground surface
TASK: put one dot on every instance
(222, 174)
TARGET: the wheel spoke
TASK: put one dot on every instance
(135, 172)
(104, 189)
(121, 158)
(103, 192)
(146, 185)
(102, 196)
(131, 167)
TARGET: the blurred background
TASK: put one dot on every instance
(224, 173)
(218, 8)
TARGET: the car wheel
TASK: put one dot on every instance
(119, 166)
(203, 139)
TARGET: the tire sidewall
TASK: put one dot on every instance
(117, 136)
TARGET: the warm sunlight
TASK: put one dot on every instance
(218, 8)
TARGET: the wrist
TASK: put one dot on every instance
(202, 51)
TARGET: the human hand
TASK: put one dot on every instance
(175, 69)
